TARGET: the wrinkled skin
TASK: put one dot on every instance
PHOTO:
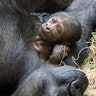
(21, 70)
(61, 27)
(53, 29)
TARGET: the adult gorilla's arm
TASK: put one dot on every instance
(85, 11)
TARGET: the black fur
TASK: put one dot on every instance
(22, 73)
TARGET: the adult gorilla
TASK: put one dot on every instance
(22, 73)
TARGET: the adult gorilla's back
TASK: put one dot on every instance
(22, 73)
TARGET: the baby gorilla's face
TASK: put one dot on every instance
(52, 30)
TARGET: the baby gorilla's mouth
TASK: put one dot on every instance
(44, 35)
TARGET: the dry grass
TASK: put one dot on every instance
(90, 67)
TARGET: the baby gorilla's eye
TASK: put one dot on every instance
(58, 29)
(53, 20)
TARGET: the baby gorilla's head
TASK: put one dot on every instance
(61, 27)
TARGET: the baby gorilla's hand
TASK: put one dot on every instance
(59, 52)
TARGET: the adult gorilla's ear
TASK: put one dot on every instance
(75, 79)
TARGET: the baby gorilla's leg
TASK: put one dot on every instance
(59, 52)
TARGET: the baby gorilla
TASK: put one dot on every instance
(56, 35)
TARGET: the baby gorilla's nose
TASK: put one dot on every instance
(49, 27)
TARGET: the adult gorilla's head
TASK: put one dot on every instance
(60, 81)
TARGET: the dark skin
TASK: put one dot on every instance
(55, 37)
(21, 71)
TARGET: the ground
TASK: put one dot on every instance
(90, 68)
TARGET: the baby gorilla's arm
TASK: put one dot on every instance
(59, 52)
(49, 53)
(43, 48)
